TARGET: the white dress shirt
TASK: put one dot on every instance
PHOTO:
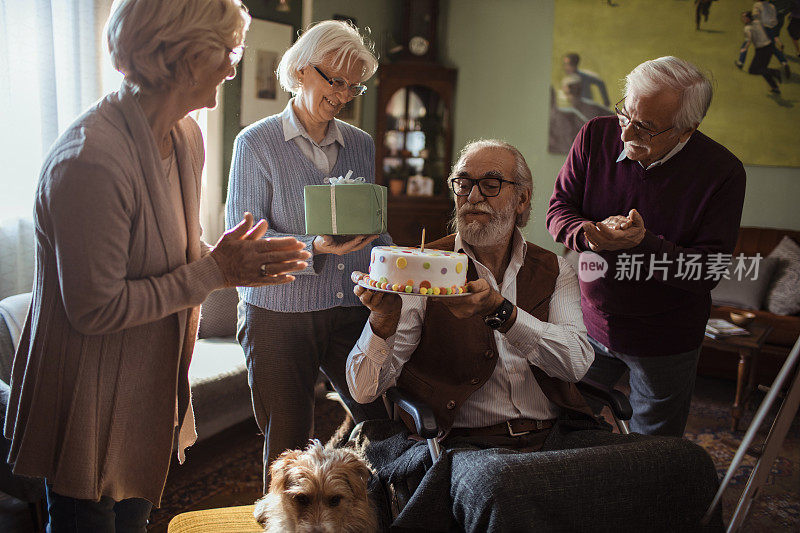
(678, 147)
(559, 347)
(323, 154)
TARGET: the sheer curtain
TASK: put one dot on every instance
(53, 66)
(51, 69)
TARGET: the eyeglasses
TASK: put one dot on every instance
(340, 84)
(489, 187)
(638, 127)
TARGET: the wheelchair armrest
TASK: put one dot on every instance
(424, 420)
(616, 400)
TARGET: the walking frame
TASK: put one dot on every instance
(772, 444)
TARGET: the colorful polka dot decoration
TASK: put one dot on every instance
(409, 287)
(417, 252)
(401, 262)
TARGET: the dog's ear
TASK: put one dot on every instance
(279, 469)
(260, 511)
(357, 471)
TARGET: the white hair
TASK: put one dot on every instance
(333, 41)
(673, 73)
(152, 41)
(522, 172)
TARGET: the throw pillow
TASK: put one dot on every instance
(783, 297)
(218, 314)
(747, 293)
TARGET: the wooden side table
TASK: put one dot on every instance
(748, 347)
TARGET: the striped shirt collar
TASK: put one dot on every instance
(519, 247)
(292, 127)
(678, 148)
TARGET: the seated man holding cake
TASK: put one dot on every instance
(497, 362)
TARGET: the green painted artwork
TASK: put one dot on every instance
(595, 44)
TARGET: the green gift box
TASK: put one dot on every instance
(345, 209)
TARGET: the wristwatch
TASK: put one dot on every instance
(497, 318)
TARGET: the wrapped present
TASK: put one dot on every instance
(345, 206)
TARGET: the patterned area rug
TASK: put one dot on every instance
(777, 506)
(226, 469)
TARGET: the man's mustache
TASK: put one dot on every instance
(476, 209)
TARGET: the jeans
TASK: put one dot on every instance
(661, 387)
(73, 515)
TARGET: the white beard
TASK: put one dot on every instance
(476, 234)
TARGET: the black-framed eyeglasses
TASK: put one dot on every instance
(340, 84)
(638, 127)
(489, 187)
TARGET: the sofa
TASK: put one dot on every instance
(218, 376)
(785, 328)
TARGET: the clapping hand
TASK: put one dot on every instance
(615, 232)
(324, 244)
(246, 259)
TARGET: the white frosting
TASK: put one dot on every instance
(400, 265)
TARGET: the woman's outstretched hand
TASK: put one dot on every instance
(246, 259)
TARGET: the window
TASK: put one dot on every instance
(52, 67)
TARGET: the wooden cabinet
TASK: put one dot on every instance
(414, 147)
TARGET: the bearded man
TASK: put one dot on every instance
(497, 366)
(522, 314)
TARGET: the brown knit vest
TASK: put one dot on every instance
(455, 357)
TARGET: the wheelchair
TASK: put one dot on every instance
(635, 483)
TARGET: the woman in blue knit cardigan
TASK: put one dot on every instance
(291, 331)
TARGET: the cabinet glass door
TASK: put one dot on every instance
(414, 142)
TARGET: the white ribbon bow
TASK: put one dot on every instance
(344, 180)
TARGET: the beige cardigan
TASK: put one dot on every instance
(108, 339)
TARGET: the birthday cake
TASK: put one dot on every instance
(411, 270)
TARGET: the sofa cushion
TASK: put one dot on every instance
(220, 392)
(218, 314)
(749, 291)
(783, 297)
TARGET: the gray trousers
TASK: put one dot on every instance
(661, 387)
(284, 353)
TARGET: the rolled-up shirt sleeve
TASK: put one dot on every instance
(374, 364)
(559, 346)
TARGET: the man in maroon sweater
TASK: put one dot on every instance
(658, 205)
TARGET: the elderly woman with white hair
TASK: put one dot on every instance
(315, 321)
(99, 386)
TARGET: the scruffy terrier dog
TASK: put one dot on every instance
(317, 490)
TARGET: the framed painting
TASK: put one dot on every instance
(757, 124)
(262, 96)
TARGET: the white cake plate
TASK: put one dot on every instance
(366, 286)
